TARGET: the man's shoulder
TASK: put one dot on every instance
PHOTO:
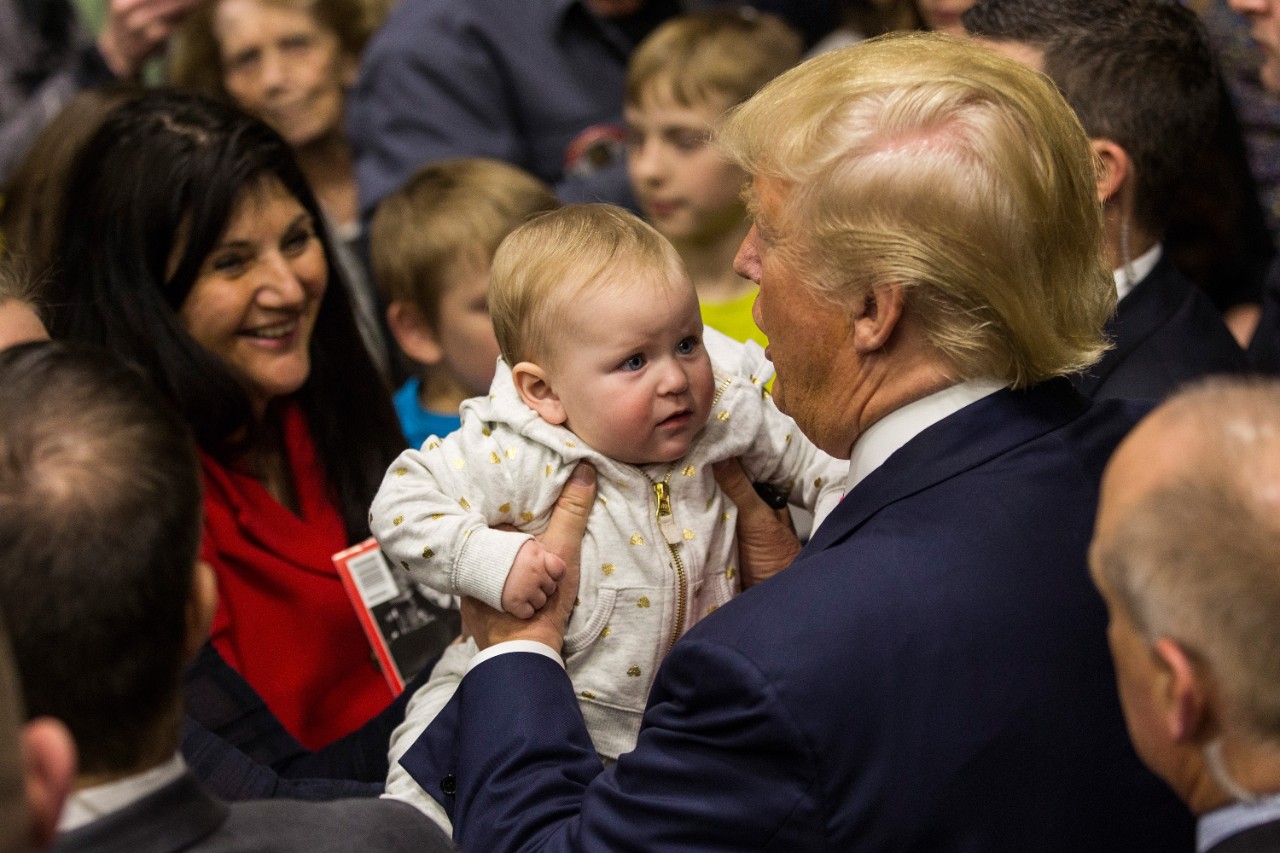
(311, 827)
(183, 815)
(1166, 332)
(415, 23)
(1011, 481)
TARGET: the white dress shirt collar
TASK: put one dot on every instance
(1220, 824)
(895, 429)
(1141, 267)
(89, 804)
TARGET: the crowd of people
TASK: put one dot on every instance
(870, 451)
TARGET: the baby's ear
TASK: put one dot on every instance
(537, 393)
(413, 333)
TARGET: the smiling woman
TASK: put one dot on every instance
(193, 251)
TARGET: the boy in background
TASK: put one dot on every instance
(681, 79)
(431, 245)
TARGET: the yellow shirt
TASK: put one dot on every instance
(733, 318)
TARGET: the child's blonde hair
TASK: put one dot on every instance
(451, 212)
(558, 255)
(719, 54)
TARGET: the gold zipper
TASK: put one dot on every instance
(724, 386)
(667, 525)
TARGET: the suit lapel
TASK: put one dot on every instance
(1147, 308)
(976, 434)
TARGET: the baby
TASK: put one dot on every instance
(608, 363)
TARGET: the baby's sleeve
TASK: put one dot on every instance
(434, 511)
(781, 455)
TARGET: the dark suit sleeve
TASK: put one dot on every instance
(719, 764)
(240, 750)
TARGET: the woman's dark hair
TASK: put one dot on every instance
(154, 190)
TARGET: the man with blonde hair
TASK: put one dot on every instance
(931, 672)
(1185, 556)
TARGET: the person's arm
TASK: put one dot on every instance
(232, 775)
(433, 512)
(137, 30)
(439, 95)
(563, 537)
(719, 765)
(134, 31)
(767, 542)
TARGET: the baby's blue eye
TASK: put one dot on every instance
(687, 346)
(634, 363)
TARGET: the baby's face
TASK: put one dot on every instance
(630, 370)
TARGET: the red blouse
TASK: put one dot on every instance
(283, 620)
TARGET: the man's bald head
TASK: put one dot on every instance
(1187, 554)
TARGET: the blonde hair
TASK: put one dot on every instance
(556, 256)
(195, 58)
(450, 213)
(720, 54)
(936, 164)
(1195, 560)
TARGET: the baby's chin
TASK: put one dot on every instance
(662, 455)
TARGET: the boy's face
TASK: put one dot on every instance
(685, 189)
(468, 346)
(631, 371)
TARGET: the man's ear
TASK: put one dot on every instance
(200, 606)
(49, 772)
(537, 393)
(878, 316)
(1182, 694)
(1114, 168)
(414, 334)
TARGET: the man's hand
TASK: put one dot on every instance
(767, 542)
(563, 538)
(532, 580)
(137, 29)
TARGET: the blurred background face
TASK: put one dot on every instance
(684, 187)
(280, 64)
(944, 15)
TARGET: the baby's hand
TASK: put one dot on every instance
(532, 580)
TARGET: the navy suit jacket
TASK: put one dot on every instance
(239, 750)
(184, 816)
(1166, 332)
(931, 674)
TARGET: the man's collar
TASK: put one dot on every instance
(1127, 278)
(883, 438)
(1220, 824)
(89, 804)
